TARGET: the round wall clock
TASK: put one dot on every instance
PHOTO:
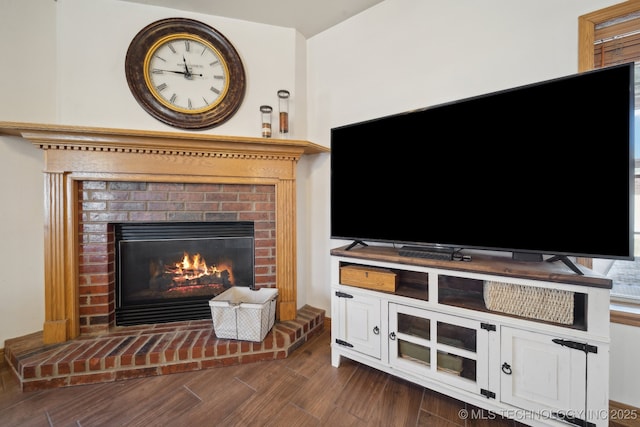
(185, 73)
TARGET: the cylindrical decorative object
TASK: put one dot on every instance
(283, 101)
(265, 111)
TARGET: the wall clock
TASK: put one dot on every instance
(185, 73)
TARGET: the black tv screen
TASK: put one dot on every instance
(545, 168)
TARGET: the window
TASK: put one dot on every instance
(606, 37)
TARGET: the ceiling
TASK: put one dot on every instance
(309, 17)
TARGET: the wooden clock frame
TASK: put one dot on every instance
(135, 74)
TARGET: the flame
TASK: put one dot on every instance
(193, 267)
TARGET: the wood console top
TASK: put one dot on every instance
(502, 266)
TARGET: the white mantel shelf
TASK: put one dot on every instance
(75, 154)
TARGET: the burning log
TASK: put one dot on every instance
(190, 272)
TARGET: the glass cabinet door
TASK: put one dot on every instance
(435, 344)
(410, 339)
(457, 354)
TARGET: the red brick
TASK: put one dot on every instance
(197, 349)
(211, 363)
(155, 354)
(102, 377)
(187, 196)
(44, 384)
(127, 374)
(164, 186)
(171, 350)
(257, 357)
(230, 361)
(236, 207)
(179, 367)
(210, 345)
(253, 215)
(126, 358)
(96, 248)
(150, 195)
(203, 187)
(148, 216)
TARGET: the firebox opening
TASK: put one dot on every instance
(168, 271)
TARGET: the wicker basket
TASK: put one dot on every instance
(242, 313)
(551, 305)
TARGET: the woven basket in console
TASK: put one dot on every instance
(551, 305)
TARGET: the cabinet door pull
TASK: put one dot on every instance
(376, 330)
(343, 295)
(506, 368)
(392, 336)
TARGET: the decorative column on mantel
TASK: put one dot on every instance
(74, 154)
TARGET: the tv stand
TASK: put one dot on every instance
(567, 262)
(535, 257)
(528, 341)
(355, 243)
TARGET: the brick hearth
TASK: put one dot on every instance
(149, 350)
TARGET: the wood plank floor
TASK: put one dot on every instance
(302, 390)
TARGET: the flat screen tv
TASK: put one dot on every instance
(540, 169)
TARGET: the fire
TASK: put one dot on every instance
(189, 274)
(192, 267)
(195, 267)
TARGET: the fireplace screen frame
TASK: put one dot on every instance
(193, 307)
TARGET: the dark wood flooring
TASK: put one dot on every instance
(301, 390)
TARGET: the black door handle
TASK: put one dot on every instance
(506, 368)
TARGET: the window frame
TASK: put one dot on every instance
(628, 314)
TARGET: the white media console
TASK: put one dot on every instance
(539, 354)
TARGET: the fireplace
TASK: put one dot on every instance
(168, 271)
(76, 155)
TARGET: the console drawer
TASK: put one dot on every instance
(379, 279)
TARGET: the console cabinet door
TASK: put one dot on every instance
(359, 322)
(437, 345)
(540, 375)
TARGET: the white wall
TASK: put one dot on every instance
(27, 82)
(406, 54)
(399, 55)
(93, 37)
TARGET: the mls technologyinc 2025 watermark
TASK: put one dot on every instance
(523, 414)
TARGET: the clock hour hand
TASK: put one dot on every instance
(187, 74)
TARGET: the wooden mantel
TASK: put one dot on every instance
(74, 154)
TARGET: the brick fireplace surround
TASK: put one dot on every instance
(97, 175)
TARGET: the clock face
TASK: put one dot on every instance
(185, 73)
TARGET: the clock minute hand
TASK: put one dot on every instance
(172, 71)
(178, 72)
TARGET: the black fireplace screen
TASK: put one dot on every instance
(169, 271)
